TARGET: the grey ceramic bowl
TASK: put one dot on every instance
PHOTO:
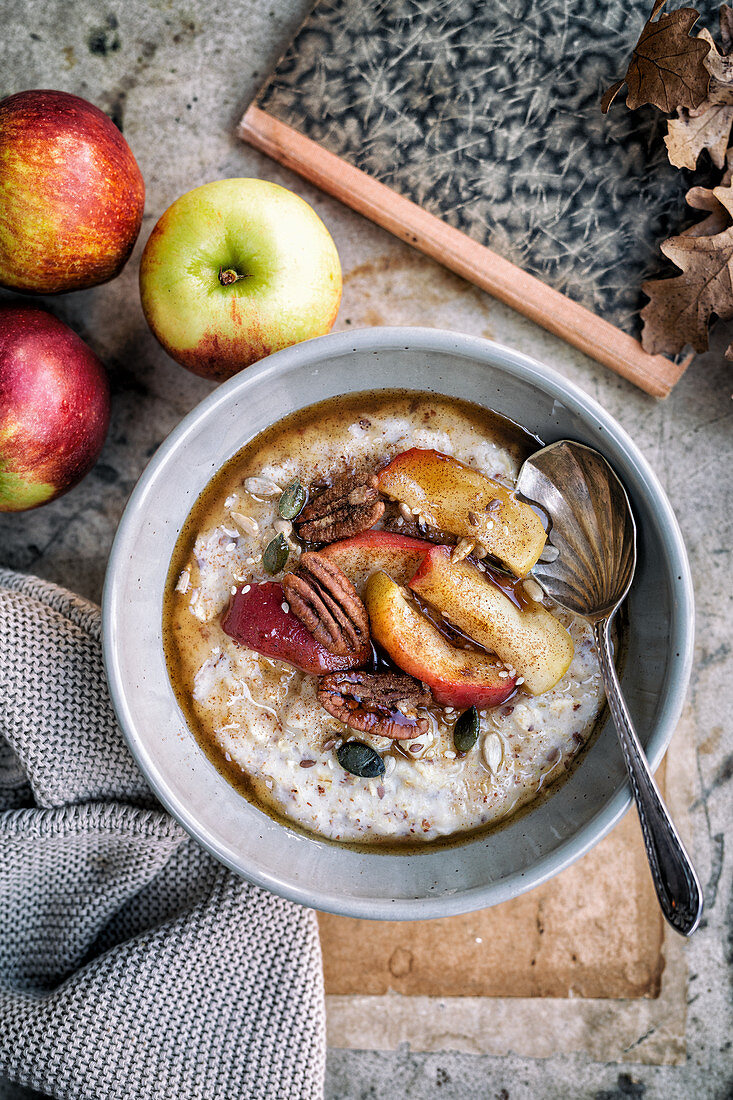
(446, 880)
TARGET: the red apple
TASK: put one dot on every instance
(358, 557)
(54, 407)
(257, 618)
(456, 677)
(71, 194)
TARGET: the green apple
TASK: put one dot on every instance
(235, 270)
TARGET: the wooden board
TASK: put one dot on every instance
(473, 132)
(594, 931)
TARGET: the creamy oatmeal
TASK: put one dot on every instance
(352, 632)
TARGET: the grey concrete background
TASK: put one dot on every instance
(176, 76)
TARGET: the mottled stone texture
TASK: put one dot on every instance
(487, 115)
(177, 76)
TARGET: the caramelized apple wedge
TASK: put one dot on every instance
(457, 499)
(456, 677)
(530, 639)
(259, 617)
(364, 554)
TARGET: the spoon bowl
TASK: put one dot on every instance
(593, 529)
(588, 568)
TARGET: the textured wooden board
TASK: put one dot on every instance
(487, 115)
(594, 931)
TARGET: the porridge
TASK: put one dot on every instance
(352, 629)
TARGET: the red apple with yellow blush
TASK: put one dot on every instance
(71, 194)
(54, 407)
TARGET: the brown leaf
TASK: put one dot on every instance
(718, 219)
(666, 67)
(708, 126)
(679, 309)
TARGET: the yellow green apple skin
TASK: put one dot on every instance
(530, 639)
(456, 677)
(235, 270)
(71, 194)
(464, 502)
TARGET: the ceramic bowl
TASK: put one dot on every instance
(433, 882)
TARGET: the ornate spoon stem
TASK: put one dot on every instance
(675, 881)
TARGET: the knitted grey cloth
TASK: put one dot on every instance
(132, 964)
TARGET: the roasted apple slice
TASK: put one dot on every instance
(455, 498)
(456, 677)
(362, 555)
(259, 617)
(529, 639)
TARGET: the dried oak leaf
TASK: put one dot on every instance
(666, 67)
(707, 126)
(680, 308)
(704, 198)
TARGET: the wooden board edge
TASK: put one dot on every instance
(602, 341)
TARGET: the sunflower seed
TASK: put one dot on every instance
(246, 523)
(262, 487)
(493, 751)
(532, 590)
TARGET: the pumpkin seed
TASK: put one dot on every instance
(292, 500)
(360, 759)
(275, 555)
(466, 730)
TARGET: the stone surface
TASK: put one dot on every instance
(177, 76)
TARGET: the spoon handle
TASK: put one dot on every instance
(675, 881)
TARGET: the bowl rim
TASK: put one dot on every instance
(527, 369)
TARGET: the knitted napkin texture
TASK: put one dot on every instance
(132, 964)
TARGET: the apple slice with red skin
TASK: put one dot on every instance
(358, 557)
(456, 677)
(256, 619)
(529, 639)
(455, 498)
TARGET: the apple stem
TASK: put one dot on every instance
(228, 275)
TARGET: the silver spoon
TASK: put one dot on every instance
(594, 534)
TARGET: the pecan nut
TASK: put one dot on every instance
(350, 505)
(382, 703)
(326, 602)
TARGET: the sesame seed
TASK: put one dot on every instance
(503, 674)
(285, 607)
(490, 525)
(520, 680)
(246, 588)
(450, 755)
(230, 546)
(234, 589)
